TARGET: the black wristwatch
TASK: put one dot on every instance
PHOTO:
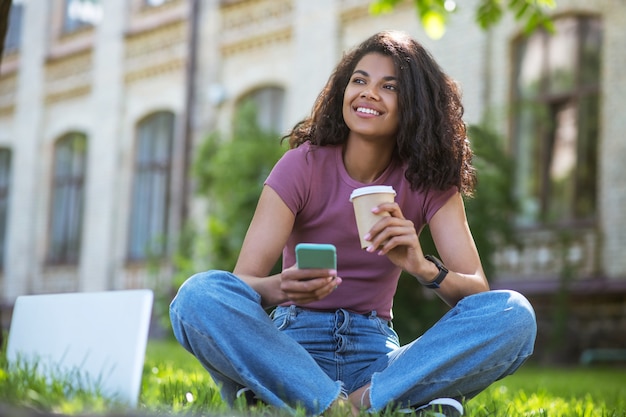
(443, 271)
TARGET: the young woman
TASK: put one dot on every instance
(387, 116)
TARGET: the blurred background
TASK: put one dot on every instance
(135, 136)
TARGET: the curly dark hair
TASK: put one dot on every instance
(432, 137)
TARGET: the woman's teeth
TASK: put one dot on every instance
(368, 111)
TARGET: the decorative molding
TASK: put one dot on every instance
(257, 42)
(247, 15)
(78, 91)
(68, 77)
(74, 43)
(140, 8)
(62, 43)
(144, 18)
(354, 10)
(156, 52)
(225, 3)
(254, 24)
(159, 41)
(155, 70)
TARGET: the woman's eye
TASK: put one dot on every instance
(358, 81)
(391, 87)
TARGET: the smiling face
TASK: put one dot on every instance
(370, 102)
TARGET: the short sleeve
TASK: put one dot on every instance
(290, 178)
(435, 199)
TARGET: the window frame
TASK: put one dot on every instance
(68, 181)
(542, 109)
(13, 37)
(148, 229)
(269, 101)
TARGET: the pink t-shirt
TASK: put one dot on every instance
(314, 184)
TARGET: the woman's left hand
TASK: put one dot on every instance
(396, 237)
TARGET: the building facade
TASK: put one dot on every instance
(103, 102)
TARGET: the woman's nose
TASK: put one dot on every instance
(368, 93)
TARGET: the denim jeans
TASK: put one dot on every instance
(303, 358)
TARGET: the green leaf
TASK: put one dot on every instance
(488, 13)
(382, 6)
(434, 24)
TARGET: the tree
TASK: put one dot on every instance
(5, 6)
(434, 14)
(229, 174)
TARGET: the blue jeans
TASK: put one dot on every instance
(303, 358)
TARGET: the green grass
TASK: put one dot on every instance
(174, 383)
(66, 393)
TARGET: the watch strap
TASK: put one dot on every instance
(443, 271)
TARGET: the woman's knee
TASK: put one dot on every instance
(196, 300)
(200, 291)
(509, 312)
(210, 292)
(524, 314)
(195, 286)
(520, 325)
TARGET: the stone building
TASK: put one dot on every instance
(103, 102)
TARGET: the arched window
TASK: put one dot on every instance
(5, 181)
(270, 107)
(149, 213)
(66, 214)
(556, 121)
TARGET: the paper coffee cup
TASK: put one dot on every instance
(364, 199)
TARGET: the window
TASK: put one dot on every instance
(79, 14)
(149, 213)
(68, 183)
(14, 31)
(5, 180)
(269, 103)
(154, 3)
(556, 121)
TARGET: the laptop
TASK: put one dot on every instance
(96, 339)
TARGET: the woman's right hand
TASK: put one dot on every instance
(303, 286)
(267, 235)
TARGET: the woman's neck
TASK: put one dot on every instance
(366, 161)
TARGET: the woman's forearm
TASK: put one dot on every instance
(267, 287)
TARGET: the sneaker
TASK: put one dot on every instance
(440, 407)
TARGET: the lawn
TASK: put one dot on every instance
(175, 384)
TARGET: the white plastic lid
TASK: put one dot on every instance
(372, 189)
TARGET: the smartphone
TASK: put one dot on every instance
(316, 255)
